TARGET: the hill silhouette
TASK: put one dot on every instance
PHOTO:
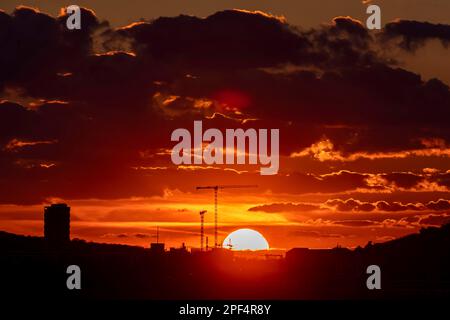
(414, 266)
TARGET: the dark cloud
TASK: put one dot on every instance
(352, 205)
(315, 234)
(435, 220)
(127, 235)
(405, 180)
(397, 221)
(355, 223)
(359, 206)
(35, 46)
(442, 179)
(354, 115)
(142, 235)
(396, 206)
(439, 205)
(344, 43)
(226, 39)
(285, 207)
(414, 34)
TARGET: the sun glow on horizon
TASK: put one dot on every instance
(245, 239)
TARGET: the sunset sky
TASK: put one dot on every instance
(86, 118)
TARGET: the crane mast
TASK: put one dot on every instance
(202, 219)
(216, 214)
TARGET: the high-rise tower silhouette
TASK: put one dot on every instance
(57, 223)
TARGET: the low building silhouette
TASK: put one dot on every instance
(157, 247)
(182, 251)
(57, 224)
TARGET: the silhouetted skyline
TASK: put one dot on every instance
(415, 266)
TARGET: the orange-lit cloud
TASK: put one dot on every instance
(324, 151)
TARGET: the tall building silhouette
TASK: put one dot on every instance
(57, 223)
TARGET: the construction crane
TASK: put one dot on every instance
(202, 219)
(216, 189)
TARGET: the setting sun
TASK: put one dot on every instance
(245, 239)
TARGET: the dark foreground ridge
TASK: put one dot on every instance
(415, 266)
